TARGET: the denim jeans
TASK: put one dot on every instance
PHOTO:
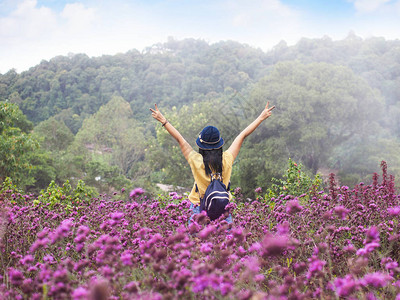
(196, 210)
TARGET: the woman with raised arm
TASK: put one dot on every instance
(210, 160)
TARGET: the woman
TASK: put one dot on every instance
(210, 159)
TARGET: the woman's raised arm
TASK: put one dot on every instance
(237, 143)
(185, 147)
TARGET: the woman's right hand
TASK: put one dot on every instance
(267, 112)
(156, 114)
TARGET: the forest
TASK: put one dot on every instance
(76, 117)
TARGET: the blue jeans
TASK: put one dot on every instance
(196, 210)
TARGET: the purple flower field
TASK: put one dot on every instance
(342, 243)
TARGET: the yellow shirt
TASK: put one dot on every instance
(195, 160)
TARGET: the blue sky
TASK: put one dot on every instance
(33, 30)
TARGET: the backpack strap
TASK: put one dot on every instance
(197, 191)
(219, 176)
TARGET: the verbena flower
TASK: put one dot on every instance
(293, 206)
(28, 259)
(206, 248)
(283, 228)
(80, 293)
(207, 231)
(274, 245)
(372, 235)
(258, 190)
(136, 192)
(394, 211)
(315, 267)
(376, 279)
(344, 287)
(16, 276)
(341, 211)
(252, 264)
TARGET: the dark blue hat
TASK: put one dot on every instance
(209, 139)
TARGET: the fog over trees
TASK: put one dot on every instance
(76, 117)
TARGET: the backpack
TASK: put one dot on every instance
(215, 198)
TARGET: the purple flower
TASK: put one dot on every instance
(372, 235)
(377, 279)
(345, 286)
(83, 230)
(79, 247)
(48, 258)
(206, 248)
(136, 192)
(16, 276)
(80, 239)
(80, 294)
(349, 248)
(226, 288)
(61, 231)
(28, 259)
(206, 232)
(274, 245)
(253, 265)
(238, 233)
(315, 267)
(174, 195)
(106, 271)
(361, 252)
(391, 265)
(256, 247)
(293, 206)
(259, 277)
(27, 286)
(116, 218)
(240, 251)
(341, 211)
(258, 190)
(394, 211)
(126, 258)
(38, 244)
(283, 228)
(371, 247)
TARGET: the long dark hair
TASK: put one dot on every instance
(212, 160)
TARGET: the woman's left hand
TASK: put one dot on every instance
(156, 114)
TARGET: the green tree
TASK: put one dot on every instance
(319, 106)
(16, 144)
(55, 134)
(114, 140)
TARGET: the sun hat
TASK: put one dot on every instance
(209, 139)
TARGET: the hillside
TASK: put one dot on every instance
(337, 108)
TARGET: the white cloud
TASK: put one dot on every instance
(261, 23)
(30, 33)
(26, 22)
(369, 6)
(78, 17)
(248, 13)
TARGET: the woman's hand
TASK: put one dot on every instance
(266, 112)
(156, 114)
(185, 147)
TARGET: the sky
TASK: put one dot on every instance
(36, 30)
